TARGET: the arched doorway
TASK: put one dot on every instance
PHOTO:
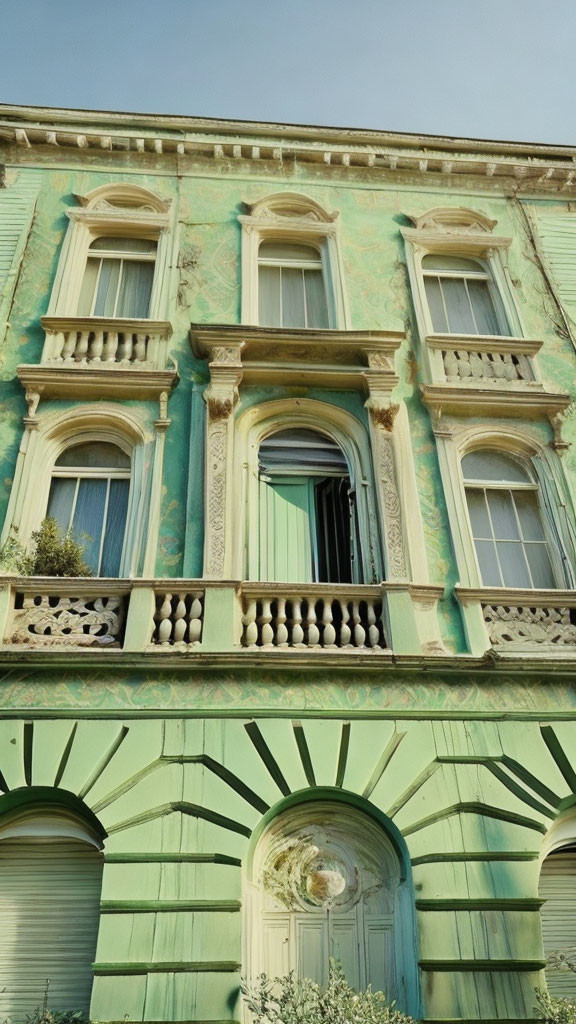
(326, 880)
(558, 914)
(50, 884)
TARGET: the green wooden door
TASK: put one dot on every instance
(287, 534)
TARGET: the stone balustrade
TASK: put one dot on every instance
(479, 361)
(178, 618)
(509, 621)
(191, 617)
(94, 342)
(321, 617)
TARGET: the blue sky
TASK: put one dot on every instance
(501, 69)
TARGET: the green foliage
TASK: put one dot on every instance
(551, 1008)
(288, 1000)
(554, 1010)
(51, 554)
(42, 1015)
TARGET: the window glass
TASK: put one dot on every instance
(461, 298)
(118, 278)
(291, 286)
(509, 538)
(89, 497)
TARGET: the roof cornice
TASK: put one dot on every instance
(542, 165)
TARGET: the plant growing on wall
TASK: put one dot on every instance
(290, 1000)
(50, 554)
(551, 1008)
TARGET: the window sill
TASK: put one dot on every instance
(524, 399)
(100, 380)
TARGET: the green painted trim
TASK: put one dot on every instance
(65, 755)
(493, 904)
(489, 855)
(176, 967)
(128, 711)
(536, 784)
(169, 906)
(520, 792)
(227, 776)
(493, 966)
(182, 806)
(474, 807)
(267, 757)
(343, 754)
(411, 791)
(555, 747)
(344, 796)
(28, 744)
(49, 796)
(172, 858)
(303, 750)
(383, 762)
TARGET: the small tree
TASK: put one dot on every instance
(551, 1008)
(289, 1000)
(51, 554)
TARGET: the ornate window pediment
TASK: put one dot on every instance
(290, 205)
(455, 219)
(123, 196)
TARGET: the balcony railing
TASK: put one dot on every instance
(192, 617)
(511, 621)
(482, 361)
(321, 617)
(93, 342)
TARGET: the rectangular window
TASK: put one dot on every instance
(118, 278)
(291, 286)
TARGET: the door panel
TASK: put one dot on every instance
(287, 530)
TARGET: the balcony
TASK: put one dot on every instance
(512, 622)
(194, 617)
(93, 357)
(487, 375)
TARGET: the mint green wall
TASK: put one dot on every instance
(209, 291)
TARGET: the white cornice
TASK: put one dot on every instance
(542, 167)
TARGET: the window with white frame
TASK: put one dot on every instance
(89, 497)
(118, 277)
(291, 286)
(462, 296)
(506, 522)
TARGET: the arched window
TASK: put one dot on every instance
(50, 884)
(504, 511)
(89, 496)
(462, 297)
(118, 278)
(291, 287)
(558, 915)
(307, 517)
(326, 880)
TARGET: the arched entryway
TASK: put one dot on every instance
(50, 883)
(558, 913)
(327, 879)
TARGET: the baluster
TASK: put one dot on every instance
(250, 625)
(96, 347)
(500, 371)
(265, 620)
(509, 368)
(359, 631)
(124, 347)
(195, 626)
(345, 631)
(328, 633)
(488, 364)
(140, 348)
(56, 346)
(281, 629)
(476, 365)
(164, 620)
(450, 365)
(179, 618)
(523, 368)
(312, 631)
(69, 346)
(82, 346)
(153, 352)
(464, 368)
(110, 346)
(373, 631)
(297, 631)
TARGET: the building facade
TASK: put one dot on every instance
(307, 397)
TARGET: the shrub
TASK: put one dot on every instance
(554, 1010)
(289, 1000)
(51, 554)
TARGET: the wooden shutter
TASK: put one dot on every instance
(287, 529)
(558, 888)
(557, 236)
(49, 914)
(17, 204)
